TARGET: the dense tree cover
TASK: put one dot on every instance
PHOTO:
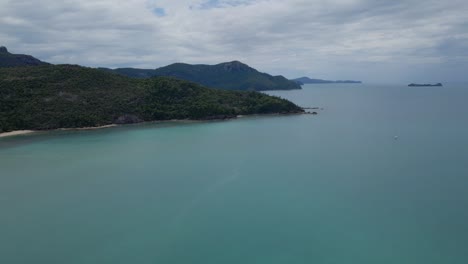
(15, 60)
(68, 96)
(229, 76)
(133, 72)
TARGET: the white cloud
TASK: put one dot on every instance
(346, 39)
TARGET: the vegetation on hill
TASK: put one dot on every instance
(229, 76)
(14, 60)
(132, 72)
(67, 96)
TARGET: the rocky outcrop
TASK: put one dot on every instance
(128, 119)
(219, 117)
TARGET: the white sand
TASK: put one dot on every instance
(24, 132)
(16, 133)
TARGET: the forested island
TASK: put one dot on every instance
(232, 75)
(70, 96)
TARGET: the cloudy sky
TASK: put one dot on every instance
(374, 41)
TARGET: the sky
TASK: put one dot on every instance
(373, 41)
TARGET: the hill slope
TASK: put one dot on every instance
(14, 60)
(132, 72)
(66, 96)
(229, 76)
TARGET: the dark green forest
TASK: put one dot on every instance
(70, 96)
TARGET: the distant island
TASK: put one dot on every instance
(307, 80)
(423, 85)
(40, 96)
(232, 75)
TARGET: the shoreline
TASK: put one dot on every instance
(28, 132)
(16, 133)
(82, 128)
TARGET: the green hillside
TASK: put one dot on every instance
(229, 76)
(132, 72)
(67, 96)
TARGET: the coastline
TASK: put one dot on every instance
(28, 132)
(16, 133)
(83, 128)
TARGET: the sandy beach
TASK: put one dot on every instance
(25, 132)
(16, 133)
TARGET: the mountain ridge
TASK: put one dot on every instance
(233, 75)
(8, 59)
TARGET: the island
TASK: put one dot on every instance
(233, 75)
(307, 80)
(71, 96)
(425, 85)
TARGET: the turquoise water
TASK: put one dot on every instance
(332, 188)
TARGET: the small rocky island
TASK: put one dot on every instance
(424, 85)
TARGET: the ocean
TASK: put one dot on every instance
(380, 175)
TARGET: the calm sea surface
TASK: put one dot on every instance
(336, 188)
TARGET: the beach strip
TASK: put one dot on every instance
(16, 133)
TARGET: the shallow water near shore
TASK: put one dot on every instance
(332, 188)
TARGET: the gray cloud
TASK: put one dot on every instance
(348, 39)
